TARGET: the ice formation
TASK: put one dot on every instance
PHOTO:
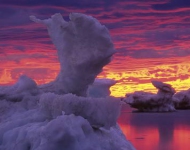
(61, 122)
(23, 87)
(45, 117)
(182, 99)
(100, 88)
(100, 112)
(160, 102)
(83, 45)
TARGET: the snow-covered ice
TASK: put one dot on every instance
(62, 122)
(83, 45)
(182, 99)
(23, 87)
(100, 88)
(100, 112)
(58, 116)
(160, 102)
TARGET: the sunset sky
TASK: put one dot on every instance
(151, 38)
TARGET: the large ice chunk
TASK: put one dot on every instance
(23, 87)
(31, 119)
(68, 132)
(160, 102)
(64, 122)
(100, 88)
(100, 112)
(182, 99)
(83, 45)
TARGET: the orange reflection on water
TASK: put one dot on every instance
(156, 131)
(147, 139)
(182, 137)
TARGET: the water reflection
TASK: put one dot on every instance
(156, 131)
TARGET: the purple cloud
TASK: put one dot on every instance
(172, 4)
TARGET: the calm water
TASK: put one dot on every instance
(156, 131)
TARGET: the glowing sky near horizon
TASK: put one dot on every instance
(151, 38)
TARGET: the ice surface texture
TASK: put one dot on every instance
(62, 122)
(23, 87)
(160, 102)
(100, 112)
(182, 99)
(45, 117)
(100, 88)
(83, 45)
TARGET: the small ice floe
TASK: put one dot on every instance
(148, 102)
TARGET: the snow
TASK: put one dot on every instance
(100, 112)
(148, 102)
(68, 132)
(57, 115)
(182, 99)
(24, 86)
(63, 121)
(100, 88)
(83, 46)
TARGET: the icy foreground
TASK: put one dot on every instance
(83, 45)
(48, 121)
(45, 117)
(148, 102)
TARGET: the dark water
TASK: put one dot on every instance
(156, 131)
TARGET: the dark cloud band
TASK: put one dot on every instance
(173, 4)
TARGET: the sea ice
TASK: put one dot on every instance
(182, 99)
(100, 88)
(49, 117)
(83, 45)
(100, 112)
(148, 102)
(64, 122)
(24, 86)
